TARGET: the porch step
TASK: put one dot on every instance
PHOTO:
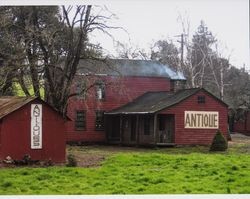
(165, 144)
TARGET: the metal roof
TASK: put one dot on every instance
(8, 104)
(128, 67)
(152, 102)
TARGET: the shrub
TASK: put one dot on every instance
(219, 142)
(26, 159)
(71, 161)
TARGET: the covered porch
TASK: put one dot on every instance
(143, 121)
(141, 129)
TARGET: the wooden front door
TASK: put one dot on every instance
(112, 127)
(166, 128)
(116, 128)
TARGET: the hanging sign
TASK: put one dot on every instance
(36, 126)
(201, 119)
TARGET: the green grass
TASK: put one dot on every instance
(19, 92)
(137, 172)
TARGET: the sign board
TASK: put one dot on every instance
(201, 119)
(36, 126)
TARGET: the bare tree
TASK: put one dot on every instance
(188, 67)
(198, 53)
(219, 67)
(127, 51)
(52, 40)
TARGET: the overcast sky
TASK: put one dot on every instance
(147, 21)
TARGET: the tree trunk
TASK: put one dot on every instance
(22, 84)
(221, 83)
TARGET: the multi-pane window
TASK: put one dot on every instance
(100, 90)
(146, 125)
(81, 90)
(99, 121)
(201, 99)
(80, 121)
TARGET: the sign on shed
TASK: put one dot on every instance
(38, 129)
(201, 119)
(36, 126)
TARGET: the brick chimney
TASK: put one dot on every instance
(176, 85)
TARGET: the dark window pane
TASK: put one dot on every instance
(201, 99)
(80, 121)
(99, 122)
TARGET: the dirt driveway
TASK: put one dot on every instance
(240, 143)
(93, 155)
(238, 138)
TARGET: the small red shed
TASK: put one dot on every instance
(30, 126)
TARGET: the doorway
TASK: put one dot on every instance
(166, 126)
(113, 127)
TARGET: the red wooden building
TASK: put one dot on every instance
(242, 124)
(185, 117)
(30, 126)
(108, 111)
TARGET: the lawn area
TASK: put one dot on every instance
(127, 170)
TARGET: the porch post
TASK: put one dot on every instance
(106, 130)
(137, 129)
(121, 131)
(155, 128)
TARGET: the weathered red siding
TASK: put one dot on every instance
(16, 136)
(243, 126)
(184, 136)
(0, 139)
(119, 91)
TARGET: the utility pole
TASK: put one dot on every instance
(182, 45)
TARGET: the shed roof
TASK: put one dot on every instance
(152, 102)
(128, 67)
(8, 104)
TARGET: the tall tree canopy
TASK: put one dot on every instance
(167, 53)
(204, 66)
(42, 46)
(201, 52)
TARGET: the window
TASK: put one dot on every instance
(146, 125)
(201, 99)
(80, 90)
(99, 121)
(100, 90)
(80, 122)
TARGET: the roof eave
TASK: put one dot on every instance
(18, 107)
(130, 113)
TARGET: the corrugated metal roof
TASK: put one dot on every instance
(152, 102)
(8, 104)
(128, 67)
